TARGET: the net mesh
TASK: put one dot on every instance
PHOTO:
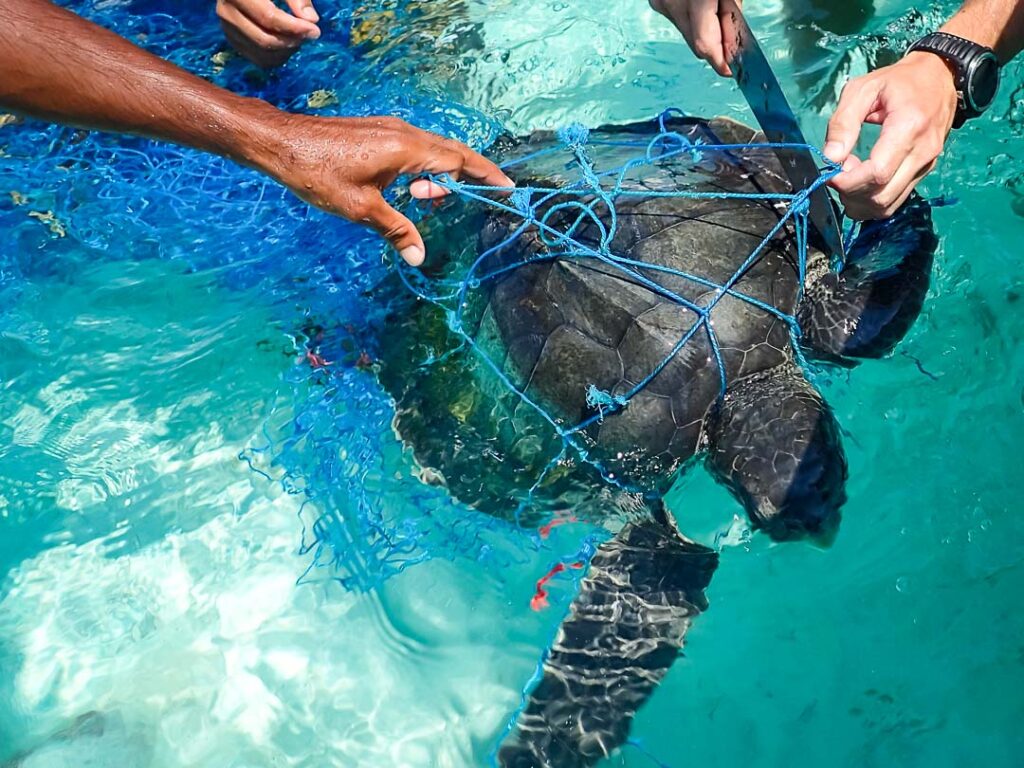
(587, 199)
(329, 438)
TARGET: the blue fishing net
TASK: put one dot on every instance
(565, 214)
(328, 439)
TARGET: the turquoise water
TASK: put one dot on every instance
(148, 573)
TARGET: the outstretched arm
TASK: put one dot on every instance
(914, 100)
(57, 66)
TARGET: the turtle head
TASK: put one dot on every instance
(775, 444)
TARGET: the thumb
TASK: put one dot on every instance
(858, 100)
(304, 10)
(399, 231)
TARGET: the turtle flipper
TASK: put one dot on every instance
(775, 444)
(623, 631)
(868, 307)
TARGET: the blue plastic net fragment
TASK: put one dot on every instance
(558, 213)
(328, 440)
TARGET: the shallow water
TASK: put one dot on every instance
(171, 465)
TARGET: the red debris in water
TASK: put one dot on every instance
(364, 361)
(315, 360)
(539, 601)
(545, 530)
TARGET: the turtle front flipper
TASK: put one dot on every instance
(623, 631)
(868, 307)
(775, 444)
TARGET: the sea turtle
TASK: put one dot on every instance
(561, 328)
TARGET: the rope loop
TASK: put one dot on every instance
(668, 114)
(662, 144)
(553, 237)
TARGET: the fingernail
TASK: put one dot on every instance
(833, 150)
(310, 15)
(413, 255)
(848, 164)
(314, 33)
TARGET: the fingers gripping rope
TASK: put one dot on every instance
(589, 204)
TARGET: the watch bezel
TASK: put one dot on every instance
(970, 78)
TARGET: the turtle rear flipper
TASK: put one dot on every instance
(623, 631)
(868, 307)
(775, 444)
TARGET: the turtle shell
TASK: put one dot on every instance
(572, 331)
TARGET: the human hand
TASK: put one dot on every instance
(914, 100)
(343, 164)
(265, 34)
(704, 25)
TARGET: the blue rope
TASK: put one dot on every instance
(581, 203)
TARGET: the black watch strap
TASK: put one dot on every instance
(963, 56)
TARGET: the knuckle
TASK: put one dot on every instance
(453, 153)
(850, 88)
(265, 18)
(880, 201)
(394, 230)
(915, 122)
(880, 176)
(360, 209)
(837, 122)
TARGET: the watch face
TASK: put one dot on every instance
(984, 80)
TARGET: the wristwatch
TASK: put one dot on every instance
(975, 71)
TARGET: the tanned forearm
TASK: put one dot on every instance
(56, 66)
(998, 24)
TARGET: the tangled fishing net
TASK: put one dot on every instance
(564, 216)
(328, 439)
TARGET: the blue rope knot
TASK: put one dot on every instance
(801, 205)
(520, 199)
(604, 401)
(574, 135)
